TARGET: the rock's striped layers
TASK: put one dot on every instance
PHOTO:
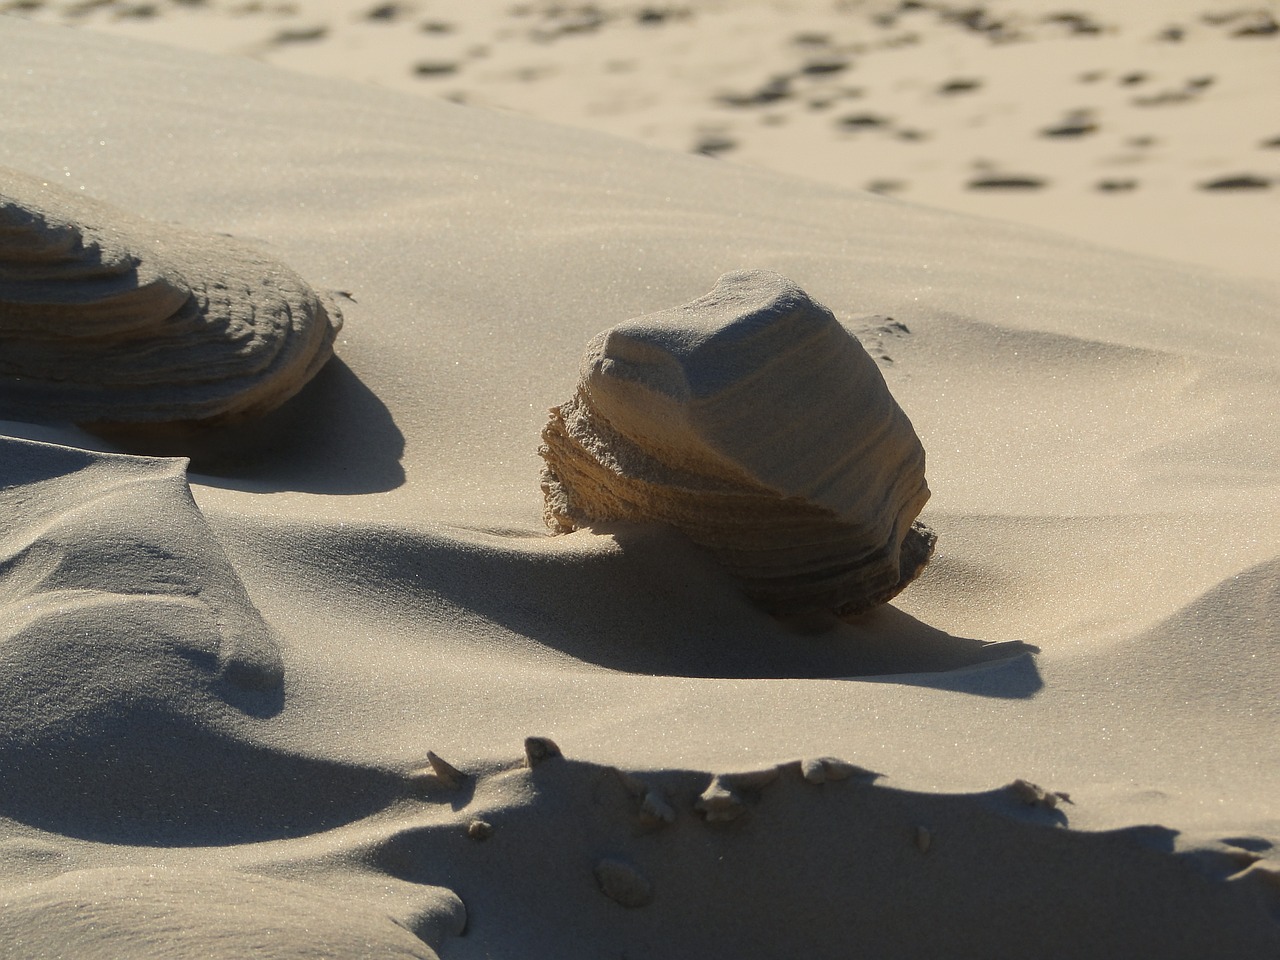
(106, 318)
(754, 423)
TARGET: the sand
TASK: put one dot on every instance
(1147, 126)
(222, 682)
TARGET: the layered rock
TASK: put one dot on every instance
(106, 318)
(751, 421)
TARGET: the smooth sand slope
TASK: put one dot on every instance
(218, 701)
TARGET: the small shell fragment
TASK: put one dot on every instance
(539, 749)
(754, 423)
(623, 884)
(448, 775)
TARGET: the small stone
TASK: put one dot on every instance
(1033, 795)
(719, 802)
(623, 883)
(822, 769)
(539, 749)
(815, 771)
(479, 830)
(449, 775)
(654, 808)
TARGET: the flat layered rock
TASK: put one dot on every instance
(106, 318)
(753, 422)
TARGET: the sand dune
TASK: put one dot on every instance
(223, 683)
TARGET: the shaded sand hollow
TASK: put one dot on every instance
(221, 687)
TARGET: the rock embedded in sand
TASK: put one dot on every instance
(538, 750)
(439, 771)
(822, 769)
(720, 803)
(924, 839)
(110, 319)
(1033, 795)
(623, 884)
(755, 424)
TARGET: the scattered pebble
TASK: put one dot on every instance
(1006, 183)
(779, 88)
(719, 802)
(811, 39)
(886, 186)
(825, 65)
(385, 12)
(538, 750)
(822, 769)
(623, 883)
(1076, 128)
(1244, 181)
(300, 35)
(960, 85)
(655, 809)
(1033, 795)
(480, 830)
(1264, 26)
(863, 121)
(435, 68)
(714, 145)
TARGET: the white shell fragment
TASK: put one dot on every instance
(754, 423)
(106, 318)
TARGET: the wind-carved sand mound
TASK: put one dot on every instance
(106, 318)
(751, 421)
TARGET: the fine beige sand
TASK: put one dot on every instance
(1148, 125)
(333, 690)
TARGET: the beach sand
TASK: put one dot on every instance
(1147, 126)
(228, 686)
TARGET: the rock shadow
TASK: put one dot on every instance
(644, 600)
(335, 437)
